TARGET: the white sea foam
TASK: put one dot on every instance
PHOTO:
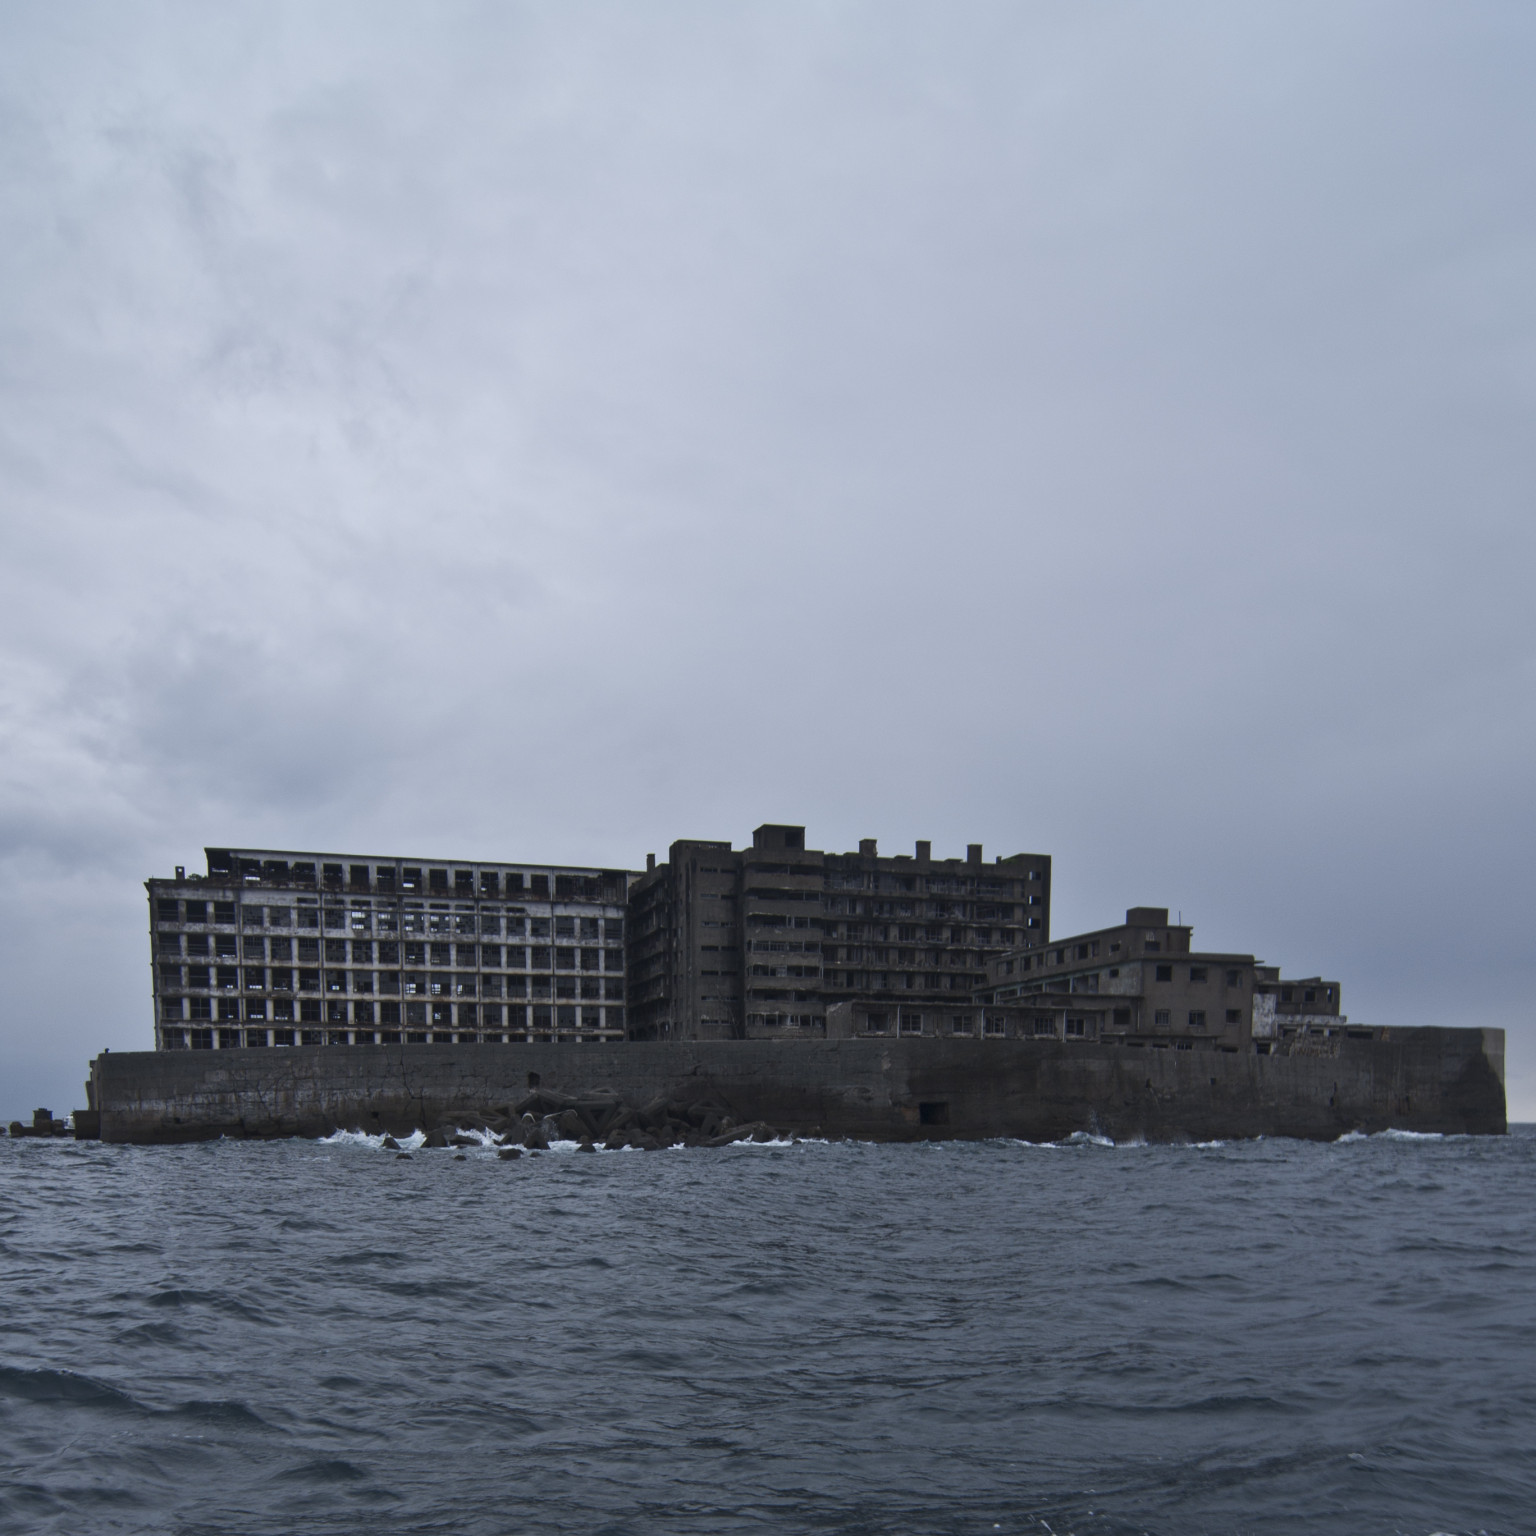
(373, 1141)
(1086, 1139)
(1393, 1134)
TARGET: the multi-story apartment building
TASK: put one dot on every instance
(1140, 984)
(765, 942)
(280, 948)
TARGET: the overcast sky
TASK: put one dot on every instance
(545, 431)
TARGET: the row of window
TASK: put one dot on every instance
(512, 957)
(236, 1039)
(603, 886)
(222, 978)
(905, 981)
(365, 920)
(444, 1014)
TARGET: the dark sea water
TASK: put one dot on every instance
(318, 1337)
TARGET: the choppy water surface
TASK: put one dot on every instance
(321, 1337)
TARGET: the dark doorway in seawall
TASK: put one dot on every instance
(934, 1112)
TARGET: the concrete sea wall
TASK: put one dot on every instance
(1446, 1080)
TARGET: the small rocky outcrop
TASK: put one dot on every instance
(596, 1119)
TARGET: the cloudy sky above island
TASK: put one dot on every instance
(543, 431)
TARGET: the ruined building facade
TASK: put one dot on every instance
(1140, 984)
(762, 942)
(775, 941)
(276, 948)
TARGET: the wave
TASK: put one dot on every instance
(1392, 1133)
(41, 1385)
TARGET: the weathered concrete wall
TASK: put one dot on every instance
(1446, 1080)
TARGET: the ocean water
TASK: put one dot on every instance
(821, 1338)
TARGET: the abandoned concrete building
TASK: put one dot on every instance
(1140, 984)
(281, 948)
(771, 941)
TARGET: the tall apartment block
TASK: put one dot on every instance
(760, 943)
(280, 948)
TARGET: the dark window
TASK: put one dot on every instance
(357, 877)
(309, 917)
(330, 875)
(197, 911)
(1234, 978)
(1197, 1018)
(1165, 973)
(539, 884)
(166, 908)
(437, 879)
(1309, 996)
(1234, 1016)
(410, 879)
(1197, 973)
(1162, 1016)
(223, 911)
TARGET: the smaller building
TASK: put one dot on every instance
(1141, 984)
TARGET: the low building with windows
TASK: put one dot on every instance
(280, 948)
(1141, 984)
